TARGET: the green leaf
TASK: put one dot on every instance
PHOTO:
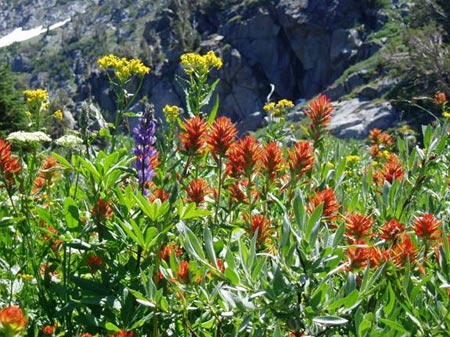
(394, 325)
(391, 302)
(348, 301)
(299, 210)
(209, 246)
(191, 242)
(313, 227)
(112, 327)
(213, 113)
(192, 212)
(71, 213)
(232, 276)
(330, 320)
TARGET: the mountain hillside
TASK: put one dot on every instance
(301, 48)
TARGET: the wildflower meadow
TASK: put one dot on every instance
(180, 227)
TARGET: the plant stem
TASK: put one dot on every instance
(219, 190)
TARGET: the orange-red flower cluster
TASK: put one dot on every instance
(428, 227)
(330, 205)
(197, 190)
(301, 159)
(122, 333)
(94, 262)
(358, 226)
(392, 230)
(440, 98)
(102, 210)
(166, 250)
(221, 136)
(48, 330)
(47, 172)
(12, 321)
(9, 165)
(319, 112)
(271, 160)
(360, 255)
(193, 139)
(392, 170)
(260, 224)
(379, 142)
(403, 251)
(244, 157)
(183, 272)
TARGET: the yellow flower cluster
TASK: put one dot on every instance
(446, 114)
(123, 67)
(200, 64)
(58, 114)
(278, 109)
(37, 96)
(352, 159)
(171, 113)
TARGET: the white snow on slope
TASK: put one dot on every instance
(19, 35)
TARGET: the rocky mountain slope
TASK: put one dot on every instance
(300, 47)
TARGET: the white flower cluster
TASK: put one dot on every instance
(28, 137)
(69, 141)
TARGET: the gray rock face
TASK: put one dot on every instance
(299, 46)
(355, 118)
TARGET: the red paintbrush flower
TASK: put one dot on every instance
(272, 160)
(183, 272)
(427, 227)
(358, 226)
(260, 224)
(391, 170)
(244, 157)
(391, 230)
(301, 159)
(197, 190)
(193, 139)
(319, 112)
(12, 320)
(9, 166)
(221, 136)
(102, 210)
(403, 251)
(330, 204)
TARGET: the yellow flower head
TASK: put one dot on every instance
(123, 67)
(330, 165)
(35, 97)
(446, 114)
(28, 114)
(200, 64)
(352, 159)
(278, 109)
(171, 113)
(269, 107)
(58, 114)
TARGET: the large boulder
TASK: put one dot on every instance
(355, 118)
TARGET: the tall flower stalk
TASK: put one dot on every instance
(144, 150)
(124, 71)
(198, 92)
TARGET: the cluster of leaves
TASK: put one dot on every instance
(237, 237)
(12, 108)
(422, 57)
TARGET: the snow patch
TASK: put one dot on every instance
(19, 35)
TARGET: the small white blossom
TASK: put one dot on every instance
(28, 137)
(69, 141)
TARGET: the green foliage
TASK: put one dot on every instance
(12, 108)
(223, 246)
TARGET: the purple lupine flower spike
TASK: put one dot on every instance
(144, 137)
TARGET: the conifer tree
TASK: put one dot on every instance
(12, 107)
